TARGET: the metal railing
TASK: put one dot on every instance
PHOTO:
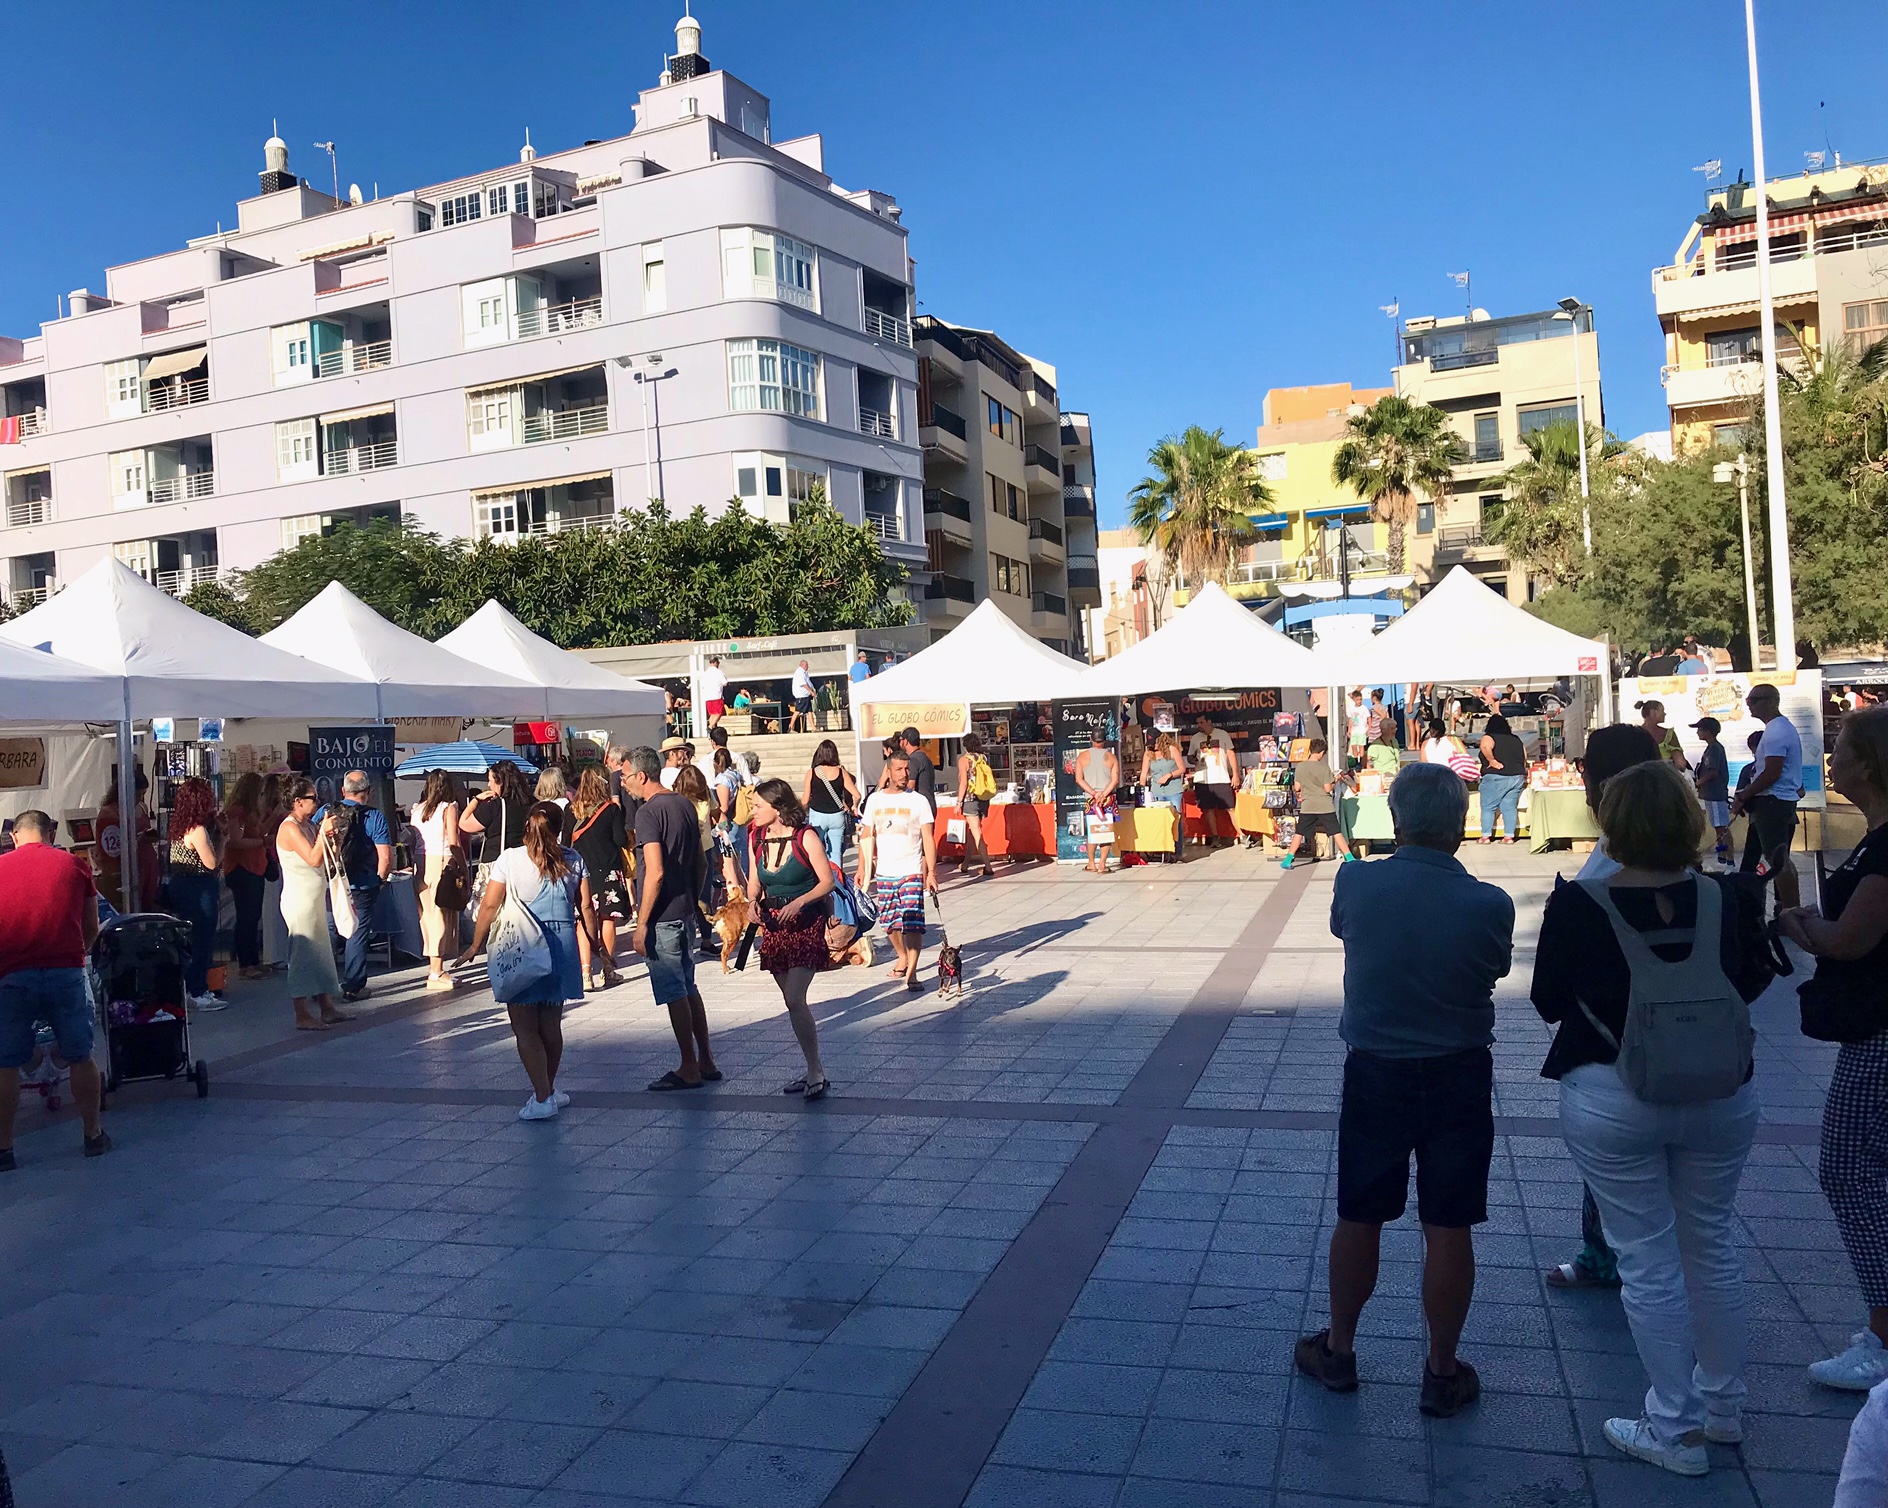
(942, 418)
(566, 423)
(1078, 500)
(875, 421)
(1042, 528)
(175, 489)
(575, 524)
(31, 596)
(32, 424)
(1838, 241)
(1035, 455)
(888, 327)
(1458, 537)
(179, 582)
(1084, 578)
(1042, 387)
(556, 319)
(885, 526)
(177, 394)
(1485, 450)
(28, 510)
(365, 357)
(1048, 602)
(342, 462)
(950, 589)
(937, 500)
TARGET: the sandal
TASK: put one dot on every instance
(818, 1091)
(798, 1086)
(673, 1080)
(1571, 1275)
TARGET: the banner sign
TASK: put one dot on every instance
(332, 752)
(22, 764)
(1246, 716)
(931, 719)
(423, 731)
(1690, 697)
(1072, 722)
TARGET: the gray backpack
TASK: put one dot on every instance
(1688, 1037)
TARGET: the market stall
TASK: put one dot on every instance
(572, 686)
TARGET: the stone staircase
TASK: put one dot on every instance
(787, 755)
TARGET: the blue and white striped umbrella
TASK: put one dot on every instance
(467, 756)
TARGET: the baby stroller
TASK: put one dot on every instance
(137, 979)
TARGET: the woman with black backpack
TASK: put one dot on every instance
(1648, 972)
(1846, 1001)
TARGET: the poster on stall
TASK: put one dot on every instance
(332, 752)
(1690, 697)
(1245, 716)
(1073, 722)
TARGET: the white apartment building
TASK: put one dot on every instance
(692, 311)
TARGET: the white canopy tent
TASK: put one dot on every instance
(39, 689)
(1213, 643)
(569, 685)
(411, 676)
(985, 661)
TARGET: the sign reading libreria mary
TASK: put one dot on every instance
(332, 752)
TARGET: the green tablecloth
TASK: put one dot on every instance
(1558, 814)
(1367, 818)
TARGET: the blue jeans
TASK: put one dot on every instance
(1501, 797)
(197, 898)
(671, 962)
(831, 827)
(56, 996)
(354, 954)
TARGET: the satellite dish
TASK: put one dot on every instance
(353, 193)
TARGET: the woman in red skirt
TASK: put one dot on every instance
(788, 883)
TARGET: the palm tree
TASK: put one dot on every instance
(1540, 519)
(1392, 450)
(1196, 505)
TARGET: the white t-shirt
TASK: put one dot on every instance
(1359, 723)
(669, 772)
(1437, 750)
(802, 682)
(1218, 766)
(714, 684)
(515, 871)
(1780, 737)
(898, 821)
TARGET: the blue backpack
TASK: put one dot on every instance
(852, 909)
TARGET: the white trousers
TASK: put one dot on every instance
(1665, 1180)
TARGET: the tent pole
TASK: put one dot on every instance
(1606, 681)
(127, 811)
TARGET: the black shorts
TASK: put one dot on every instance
(1213, 798)
(1310, 824)
(803, 704)
(1772, 826)
(1441, 1109)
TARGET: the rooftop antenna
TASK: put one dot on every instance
(529, 152)
(1822, 114)
(333, 166)
(1391, 311)
(1461, 280)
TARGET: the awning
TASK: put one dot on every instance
(358, 243)
(1874, 209)
(348, 415)
(555, 481)
(173, 362)
(1268, 521)
(1342, 510)
(511, 382)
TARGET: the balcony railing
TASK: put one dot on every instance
(566, 423)
(1084, 578)
(1452, 361)
(1042, 387)
(22, 511)
(177, 394)
(1458, 537)
(177, 583)
(950, 589)
(937, 500)
(557, 319)
(875, 421)
(32, 424)
(1255, 572)
(26, 597)
(1035, 455)
(1048, 602)
(1483, 451)
(884, 526)
(942, 418)
(356, 358)
(580, 523)
(888, 327)
(1078, 500)
(1042, 528)
(177, 489)
(375, 457)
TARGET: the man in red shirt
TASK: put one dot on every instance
(51, 907)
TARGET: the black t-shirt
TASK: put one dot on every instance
(1861, 978)
(1510, 757)
(669, 821)
(600, 845)
(923, 776)
(503, 822)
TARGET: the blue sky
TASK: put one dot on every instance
(1179, 206)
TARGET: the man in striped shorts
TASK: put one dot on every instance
(898, 859)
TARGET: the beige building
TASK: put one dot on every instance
(1132, 597)
(1498, 379)
(1009, 487)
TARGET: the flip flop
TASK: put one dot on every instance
(798, 1086)
(673, 1080)
(1567, 1275)
(818, 1091)
(712, 1076)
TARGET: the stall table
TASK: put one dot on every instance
(1016, 829)
(1252, 817)
(1558, 814)
(1367, 818)
(1145, 829)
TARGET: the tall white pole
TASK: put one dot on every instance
(1782, 598)
(1579, 408)
(648, 488)
(1750, 570)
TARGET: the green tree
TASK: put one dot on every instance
(1196, 505)
(397, 571)
(214, 600)
(1391, 451)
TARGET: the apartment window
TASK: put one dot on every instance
(127, 479)
(995, 485)
(773, 376)
(655, 280)
(1271, 468)
(134, 555)
(422, 220)
(1425, 518)
(1864, 324)
(1004, 423)
(490, 416)
(1539, 415)
(543, 201)
(496, 515)
(1015, 499)
(295, 455)
(766, 264)
(461, 208)
(124, 389)
(1008, 575)
(1730, 436)
(1487, 438)
(497, 199)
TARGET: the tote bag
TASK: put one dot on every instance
(340, 897)
(518, 958)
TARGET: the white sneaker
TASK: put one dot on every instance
(1857, 1369)
(208, 1002)
(536, 1109)
(562, 1096)
(1634, 1437)
(1724, 1429)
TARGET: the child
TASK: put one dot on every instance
(1318, 788)
(1713, 777)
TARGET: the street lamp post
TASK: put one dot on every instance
(651, 461)
(1782, 597)
(1571, 309)
(1739, 470)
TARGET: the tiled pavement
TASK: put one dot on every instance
(1045, 1246)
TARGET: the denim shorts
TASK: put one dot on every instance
(671, 960)
(56, 996)
(1442, 1110)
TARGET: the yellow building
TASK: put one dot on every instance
(1828, 233)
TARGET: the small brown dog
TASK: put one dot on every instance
(730, 922)
(950, 967)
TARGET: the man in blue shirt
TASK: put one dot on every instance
(1424, 943)
(367, 857)
(861, 669)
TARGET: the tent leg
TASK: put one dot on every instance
(127, 817)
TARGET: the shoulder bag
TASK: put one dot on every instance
(518, 957)
(340, 895)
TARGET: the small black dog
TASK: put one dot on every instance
(950, 967)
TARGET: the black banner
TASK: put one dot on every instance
(332, 752)
(1073, 723)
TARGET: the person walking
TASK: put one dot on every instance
(861, 668)
(1660, 1127)
(1652, 719)
(1771, 796)
(1098, 774)
(668, 849)
(976, 784)
(436, 817)
(548, 880)
(301, 848)
(831, 798)
(1713, 777)
(51, 908)
(1424, 944)
(923, 773)
(1316, 784)
(898, 863)
(787, 886)
(595, 829)
(365, 847)
(802, 719)
(246, 844)
(714, 691)
(196, 858)
(1504, 767)
(1846, 1001)
(1164, 778)
(725, 795)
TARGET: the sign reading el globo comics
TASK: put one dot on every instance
(1690, 697)
(332, 752)
(1072, 722)
(931, 719)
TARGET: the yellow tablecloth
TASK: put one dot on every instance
(1250, 815)
(1145, 829)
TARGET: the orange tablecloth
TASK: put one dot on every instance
(1017, 828)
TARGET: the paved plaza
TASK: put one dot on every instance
(1046, 1246)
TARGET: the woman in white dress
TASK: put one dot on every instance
(437, 819)
(300, 844)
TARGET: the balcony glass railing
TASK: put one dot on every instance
(937, 500)
(366, 357)
(875, 421)
(1048, 602)
(887, 327)
(942, 418)
(175, 489)
(177, 394)
(1084, 579)
(950, 589)
(353, 458)
(566, 423)
(558, 319)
